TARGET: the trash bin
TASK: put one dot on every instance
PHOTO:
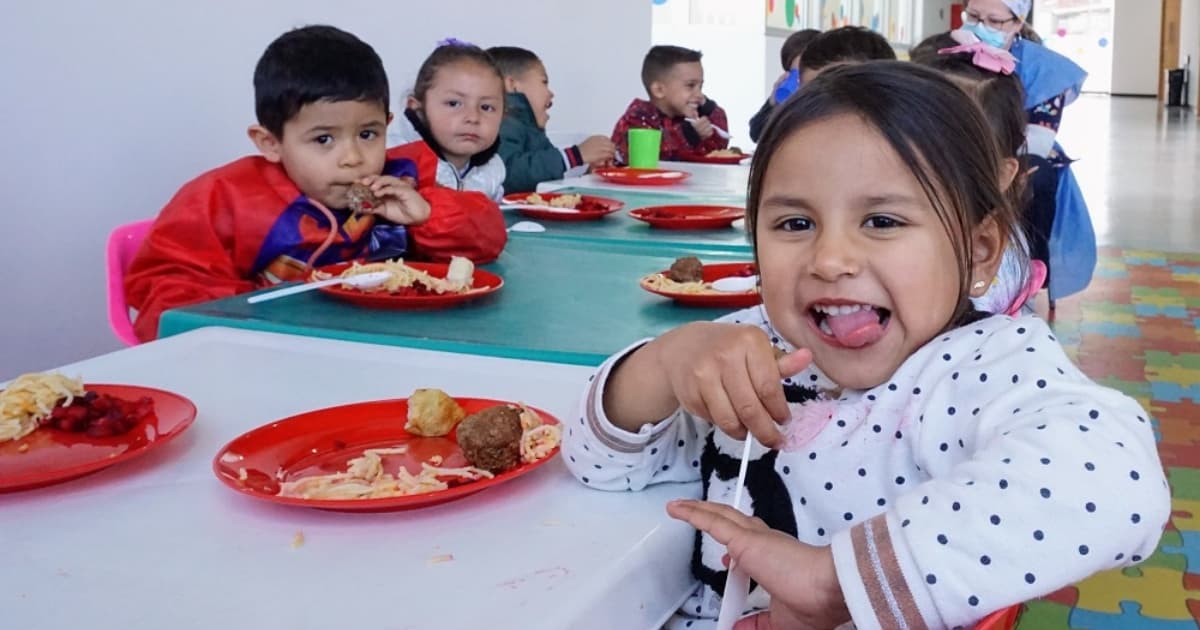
(1176, 79)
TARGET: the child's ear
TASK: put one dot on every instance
(390, 117)
(657, 89)
(510, 84)
(1009, 167)
(268, 145)
(987, 250)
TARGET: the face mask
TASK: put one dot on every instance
(789, 86)
(988, 35)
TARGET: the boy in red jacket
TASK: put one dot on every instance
(674, 79)
(321, 99)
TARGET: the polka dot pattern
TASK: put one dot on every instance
(1013, 526)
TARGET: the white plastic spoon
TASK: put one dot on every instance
(735, 284)
(720, 132)
(361, 281)
(737, 583)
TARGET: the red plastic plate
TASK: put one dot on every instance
(322, 441)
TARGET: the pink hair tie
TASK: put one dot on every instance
(986, 57)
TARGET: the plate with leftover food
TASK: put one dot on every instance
(720, 156)
(386, 455)
(412, 285)
(562, 206)
(690, 282)
(54, 428)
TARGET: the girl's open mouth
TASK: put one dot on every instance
(850, 325)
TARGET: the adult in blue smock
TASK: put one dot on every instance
(1061, 229)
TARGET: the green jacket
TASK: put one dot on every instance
(529, 157)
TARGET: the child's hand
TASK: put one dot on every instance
(399, 200)
(702, 126)
(801, 579)
(729, 375)
(598, 151)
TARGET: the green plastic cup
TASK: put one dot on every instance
(644, 145)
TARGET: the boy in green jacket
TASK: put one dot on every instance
(529, 156)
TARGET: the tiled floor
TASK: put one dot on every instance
(1139, 166)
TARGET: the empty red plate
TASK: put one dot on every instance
(48, 456)
(713, 298)
(641, 176)
(589, 208)
(323, 441)
(688, 217)
(484, 283)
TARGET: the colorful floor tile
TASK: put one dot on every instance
(1136, 329)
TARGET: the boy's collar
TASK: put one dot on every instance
(422, 129)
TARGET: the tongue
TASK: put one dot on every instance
(857, 329)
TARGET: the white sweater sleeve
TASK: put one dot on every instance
(1038, 478)
(606, 457)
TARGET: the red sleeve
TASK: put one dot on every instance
(620, 134)
(461, 223)
(715, 141)
(186, 258)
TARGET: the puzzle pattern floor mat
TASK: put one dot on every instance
(1137, 329)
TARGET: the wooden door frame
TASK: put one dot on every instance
(1168, 44)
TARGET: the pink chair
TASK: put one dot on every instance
(123, 243)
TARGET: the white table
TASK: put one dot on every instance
(158, 542)
(724, 181)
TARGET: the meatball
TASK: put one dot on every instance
(686, 269)
(361, 198)
(491, 439)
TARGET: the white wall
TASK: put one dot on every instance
(933, 16)
(110, 106)
(1189, 44)
(1137, 32)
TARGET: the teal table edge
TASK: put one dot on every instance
(174, 322)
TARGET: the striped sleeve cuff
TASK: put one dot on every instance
(879, 578)
(572, 157)
(612, 437)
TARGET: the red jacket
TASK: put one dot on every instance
(679, 139)
(246, 225)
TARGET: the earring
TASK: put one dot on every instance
(979, 284)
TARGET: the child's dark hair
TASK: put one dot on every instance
(925, 118)
(660, 59)
(845, 44)
(449, 54)
(1000, 96)
(513, 61)
(315, 63)
(794, 46)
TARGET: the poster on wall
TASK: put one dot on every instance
(836, 14)
(787, 15)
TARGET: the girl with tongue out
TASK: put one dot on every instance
(915, 463)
